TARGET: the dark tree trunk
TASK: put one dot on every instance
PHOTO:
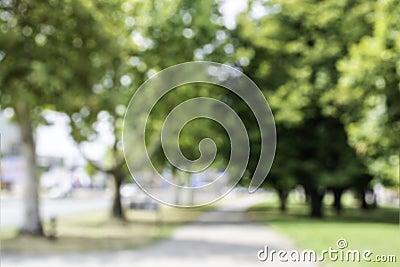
(316, 198)
(31, 221)
(117, 210)
(307, 195)
(283, 196)
(337, 201)
(363, 201)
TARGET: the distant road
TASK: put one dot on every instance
(11, 208)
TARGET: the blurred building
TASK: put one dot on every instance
(59, 161)
(12, 167)
(10, 137)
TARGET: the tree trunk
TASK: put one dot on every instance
(363, 201)
(283, 195)
(337, 201)
(177, 178)
(316, 202)
(307, 195)
(117, 210)
(31, 217)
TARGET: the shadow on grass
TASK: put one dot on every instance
(268, 212)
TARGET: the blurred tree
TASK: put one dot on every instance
(283, 180)
(52, 54)
(292, 51)
(367, 96)
(148, 46)
(184, 31)
(327, 161)
(110, 92)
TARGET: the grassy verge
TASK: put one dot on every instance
(376, 230)
(96, 232)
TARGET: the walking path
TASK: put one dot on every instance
(223, 237)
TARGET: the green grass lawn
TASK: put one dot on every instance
(376, 230)
(96, 232)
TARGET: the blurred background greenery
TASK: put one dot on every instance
(329, 70)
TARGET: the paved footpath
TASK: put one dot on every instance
(221, 238)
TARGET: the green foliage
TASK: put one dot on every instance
(51, 59)
(329, 69)
(314, 69)
(368, 93)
